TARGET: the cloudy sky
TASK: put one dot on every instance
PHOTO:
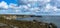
(35, 7)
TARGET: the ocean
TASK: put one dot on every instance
(47, 19)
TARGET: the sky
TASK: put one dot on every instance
(9, 1)
(35, 7)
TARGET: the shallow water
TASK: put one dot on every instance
(48, 19)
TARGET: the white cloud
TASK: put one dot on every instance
(35, 0)
(26, 1)
(48, 7)
(36, 9)
(11, 5)
(46, 0)
(55, 8)
(3, 5)
(29, 5)
(17, 10)
(25, 6)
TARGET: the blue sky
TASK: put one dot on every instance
(10, 1)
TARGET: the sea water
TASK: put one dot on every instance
(46, 19)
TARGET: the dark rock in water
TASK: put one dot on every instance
(51, 25)
(35, 21)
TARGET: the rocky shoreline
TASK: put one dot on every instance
(24, 24)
